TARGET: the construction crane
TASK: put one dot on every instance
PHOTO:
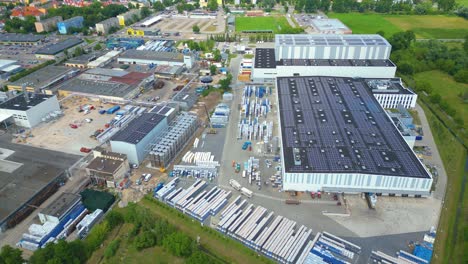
(211, 129)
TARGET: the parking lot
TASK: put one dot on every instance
(57, 134)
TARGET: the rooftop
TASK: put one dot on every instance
(53, 49)
(42, 77)
(13, 37)
(386, 86)
(331, 24)
(152, 55)
(85, 58)
(330, 40)
(335, 125)
(105, 165)
(265, 58)
(106, 82)
(138, 128)
(61, 205)
(357, 63)
(21, 104)
(27, 11)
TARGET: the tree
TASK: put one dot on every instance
(168, 3)
(446, 5)
(213, 69)
(145, 12)
(311, 6)
(405, 68)
(402, 40)
(226, 82)
(114, 218)
(325, 5)
(199, 257)
(212, 5)
(465, 44)
(9, 255)
(461, 76)
(435, 98)
(98, 46)
(78, 52)
(179, 244)
(158, 6)
(196, 29)
(144, 240)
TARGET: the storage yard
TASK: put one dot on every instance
(184, 25)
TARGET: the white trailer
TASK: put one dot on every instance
(246, 192)
(235, 184)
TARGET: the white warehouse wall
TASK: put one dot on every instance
(338, 71)
(35, 114)
(388, 100)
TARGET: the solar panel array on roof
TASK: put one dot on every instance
(335, 125)
(138, 128)
(330, 40)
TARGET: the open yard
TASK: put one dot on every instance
(448, 89)
(431, 26)
(274, 23)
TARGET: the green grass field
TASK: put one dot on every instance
(462, 2)
(448, 89)
(431, 26)
(450, 248)
(275, 23)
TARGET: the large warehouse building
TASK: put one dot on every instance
(337, 138)
(332, 47)
(138, 135)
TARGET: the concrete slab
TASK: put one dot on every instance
(9, 166)
(5, 153)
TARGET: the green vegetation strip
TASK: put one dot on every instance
(225, 248)
(451, 242)
(275, 23)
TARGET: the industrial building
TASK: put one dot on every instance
(28, 109)
(47, 25)
(147, 57)
(134, 139)
(104, 59)
(329, 26)
(141, 33)
(332, 47)
(107, 168)
(123, 18)
(9, 68)
(336, 137)
(124, 43)
(390, 93)
(82, 61)
(57, 51)
(168, 72)
(65, 25)
(404, 123)
(20, 39)
(185, 100)
(57, 210)
(43, 80)
(103, 27)
(151, 21)
(107, 84)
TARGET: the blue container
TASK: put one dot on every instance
(113, 109)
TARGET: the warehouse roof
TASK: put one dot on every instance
(387, 86)
(85, 58)
(330, 40)
(335, 125)
(329, 25)
(265, 58)
(20, 102)
(152, 55)
(61, 205)
(105, 165)
(13, 37)
(322, 62)
(44, 76)
(59, 47)
(138, 128)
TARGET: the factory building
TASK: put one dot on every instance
(123, 18)
(47, 25)
(57, 51)
(107, 84)
(332, 47)
(329, 26)
(151, 21)
(9, 68)
(20, 39)
(147, 57)
(103, 27)
(337, 138)
(44, 80)
(57, 210)
(107, 168)
(134, 139)
(82, 61)
(266, 68)
(104, 59)
(124, 43)
(65, 25)
(391, 93)
(28, 109)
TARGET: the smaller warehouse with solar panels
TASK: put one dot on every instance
(336, 137)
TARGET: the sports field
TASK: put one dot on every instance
(433, 26)
(274, 23)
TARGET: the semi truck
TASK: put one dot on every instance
(235, 184)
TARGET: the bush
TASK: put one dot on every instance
(114, 219)
(112, 248)
(145, 240)
(179, 244)
(461, 76)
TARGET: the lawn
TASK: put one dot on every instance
(431, 26)
(275, 23)
(127, 252)
(448, 89)
(223, 247)
(451, 243)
